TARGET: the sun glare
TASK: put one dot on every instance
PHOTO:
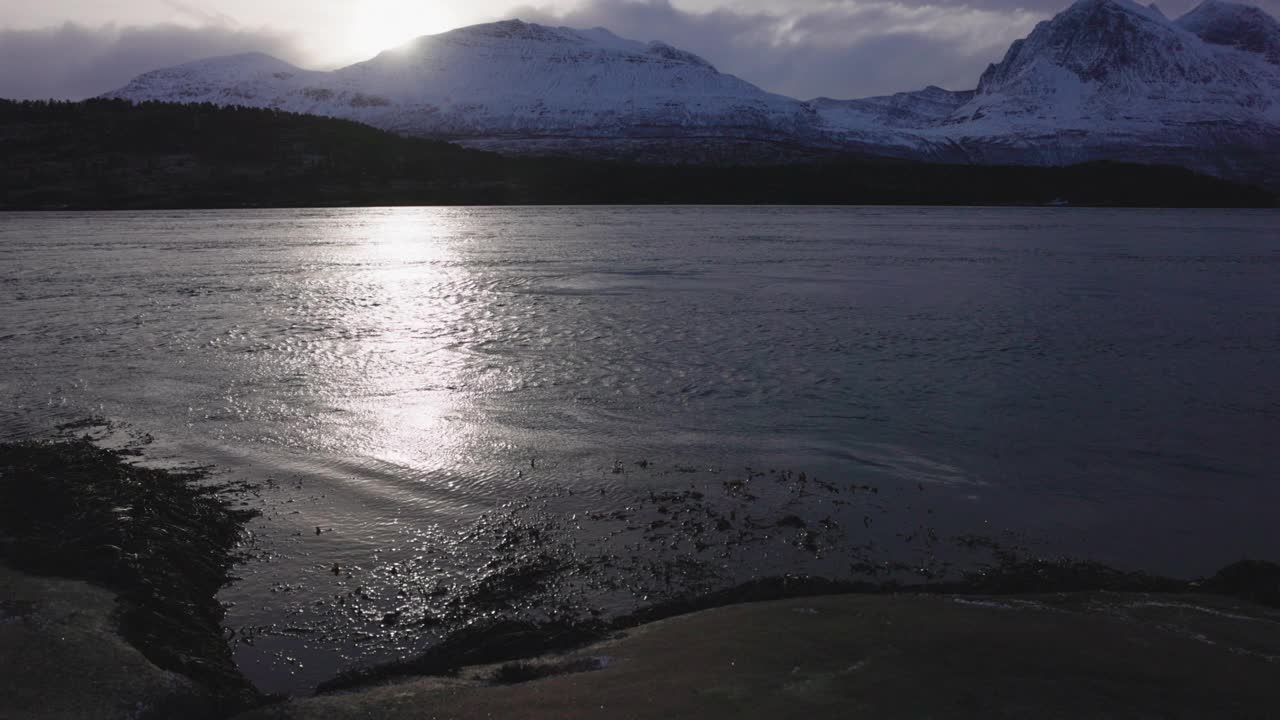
(386, 24)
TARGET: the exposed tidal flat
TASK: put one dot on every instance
(451, 419)
(141, 638)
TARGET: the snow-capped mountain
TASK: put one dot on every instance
(1238, 26)
(500, 80)
(1113, 79)
(1104, 79)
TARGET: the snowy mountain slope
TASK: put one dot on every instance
(1107, 62)
(1238, 26)
(501, 79)
(1110, 79)
(1104, 79)
(922, 108)
(887, 124)
(232, 80)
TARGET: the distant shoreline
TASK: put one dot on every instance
(112, 155)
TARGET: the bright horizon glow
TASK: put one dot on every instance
(382, 25)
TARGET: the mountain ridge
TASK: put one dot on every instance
(1103, 79)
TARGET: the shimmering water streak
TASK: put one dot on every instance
(1103, 380)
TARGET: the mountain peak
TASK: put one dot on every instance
(1239, 26)
(519, 32)
(513, 29)
(249, 61)
(1150, 12)
(668, 52)
(1102, 41)
(210, 76)
(525, 40)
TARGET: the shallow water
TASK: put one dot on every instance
(427, 386)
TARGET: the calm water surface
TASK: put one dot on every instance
(1103, 383)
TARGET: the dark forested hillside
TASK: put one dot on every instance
(111, 154)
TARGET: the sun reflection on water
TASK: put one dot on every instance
(402, 396)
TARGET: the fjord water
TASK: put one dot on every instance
(1099, 383)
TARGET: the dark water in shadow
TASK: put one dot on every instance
(431, 386)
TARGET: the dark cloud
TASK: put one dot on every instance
(802, 48)
(1171, 8)
(839, 50)
(75, 62)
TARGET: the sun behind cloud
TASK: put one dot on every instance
(380, 25)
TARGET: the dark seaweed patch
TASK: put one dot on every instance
(484, 643)
(521, 672)
(160, 539)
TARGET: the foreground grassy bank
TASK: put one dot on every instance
(113, 155)
(108, 609)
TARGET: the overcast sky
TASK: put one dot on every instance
(803, 48)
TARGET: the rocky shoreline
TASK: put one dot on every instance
(109, 610)
(160, 543)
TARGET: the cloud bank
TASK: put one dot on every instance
(836, 49)
(801, 48)
(73, 62)
(849, 48)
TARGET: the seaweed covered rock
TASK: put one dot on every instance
(164, 542)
